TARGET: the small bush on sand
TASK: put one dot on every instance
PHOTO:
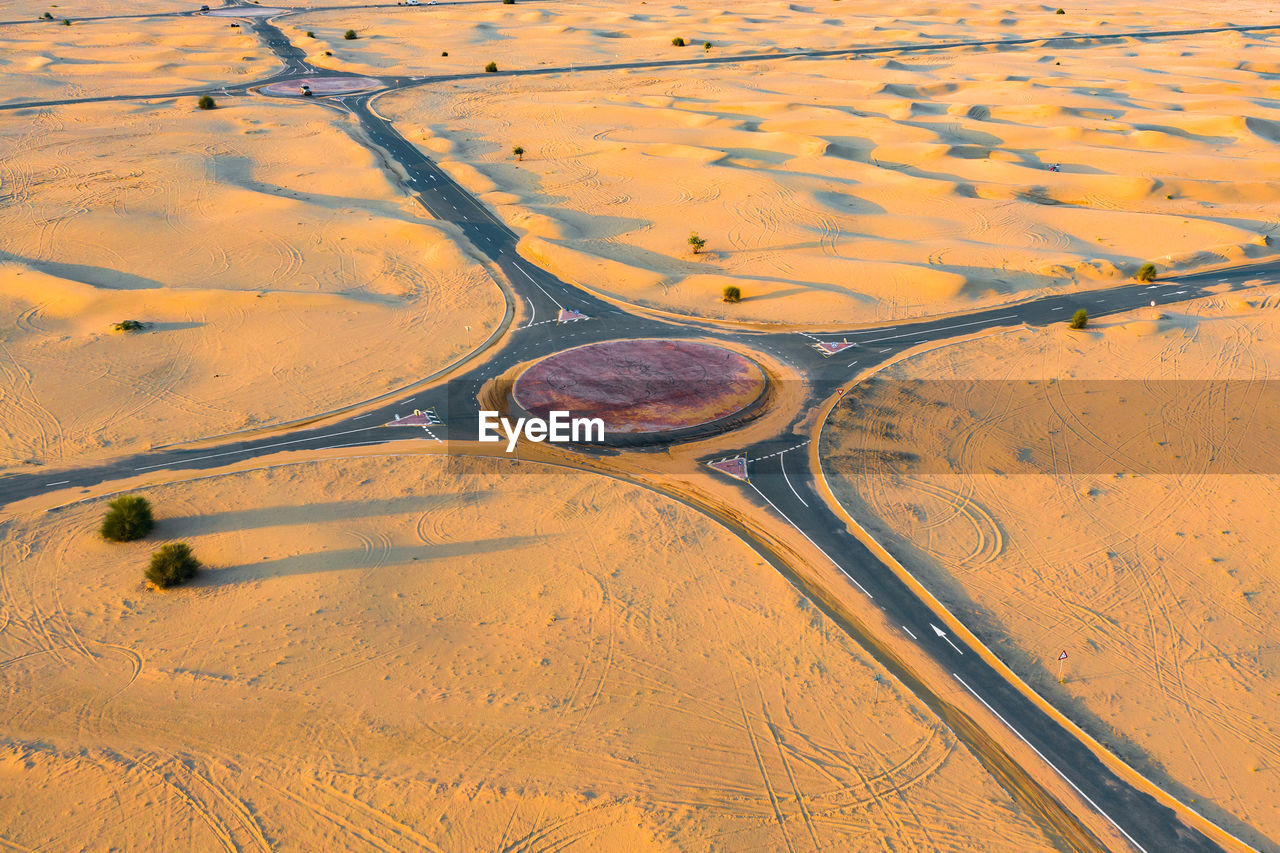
(206, 103)
(129, 326)
(1060, 12)
(696, 242)
(1080, 319)
(444, 53)
(48, 16)
(706, 45)
(491, 67)
(172, 565)
(518, 151)
(66, 22)
(350, 35)
(1146, 272)
(732, 293)
(128, 518)
(678, 41)
(310, 34)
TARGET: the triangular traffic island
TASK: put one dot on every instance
(736, 467)
(419, 418)
(830, 348)
(568, 315)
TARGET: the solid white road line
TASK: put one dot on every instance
(782, 463)
(58, 483)
(909, 634)
(1051, 764)
(811, 542)
(254, 449)
(540, 287)
(943, 329)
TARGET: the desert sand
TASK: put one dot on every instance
(434, 653)
(589, 32)
(49, 61)
(1161, 587)
(282, 271)
(817, 184)
(24, 10)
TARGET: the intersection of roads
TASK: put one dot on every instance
(546, 314)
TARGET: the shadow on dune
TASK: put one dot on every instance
(101, 277)
(286, 516)
(359, 558)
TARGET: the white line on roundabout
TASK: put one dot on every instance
(782, 463)
(811, 542)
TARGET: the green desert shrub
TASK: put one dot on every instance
(706, 45)
(491, 67)
(1060, 12)
(129, 326)
(350, 35)
(310, 34)
(1080, 319)
(128, 518)
(732, 293)
(48, 16)
(206, 102)
(678, 41)
(696, 242)
(518, 151)
(444, 53)
(66, 22)
(1147, 272)
(172, 565)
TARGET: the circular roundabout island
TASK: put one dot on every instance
(646, 391)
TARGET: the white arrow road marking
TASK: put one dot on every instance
(943, 634)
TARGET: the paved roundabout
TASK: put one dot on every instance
(246, 11)
(322, 86)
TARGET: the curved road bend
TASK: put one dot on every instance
(780, 477)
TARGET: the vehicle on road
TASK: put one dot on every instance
(305, 90)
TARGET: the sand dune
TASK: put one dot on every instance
(1161, 586)
(424, 652)
(49, 61)
(597, 31)
(281, 273)
(844, 191)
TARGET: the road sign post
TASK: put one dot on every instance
(1061, 658)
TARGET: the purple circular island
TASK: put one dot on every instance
(661, 389)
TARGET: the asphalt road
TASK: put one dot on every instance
(780, 476)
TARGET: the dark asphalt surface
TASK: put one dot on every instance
(779, 469)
